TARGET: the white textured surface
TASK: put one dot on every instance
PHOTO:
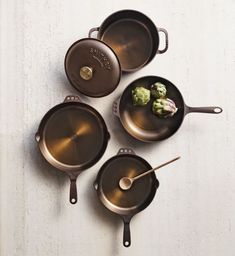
(193, 212)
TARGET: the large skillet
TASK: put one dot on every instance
(133, 37)
(72, 137)
(125, 203)
(142, 124)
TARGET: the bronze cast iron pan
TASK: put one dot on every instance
(133, 37)
(125, 203)
(72, 137)
(142, 124)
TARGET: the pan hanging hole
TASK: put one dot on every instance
(37, 137)
(126, 243)
(73, 200)
(217, 110)
(96, 186)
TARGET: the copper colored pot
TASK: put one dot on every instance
(127, 41)
(133, 37)
(125, 203)
(72, 137)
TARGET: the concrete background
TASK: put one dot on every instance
(193, 212)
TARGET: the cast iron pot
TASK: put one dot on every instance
(133, 37)
(125, 203)
(142, 124)
(127, 41)
(72, 137)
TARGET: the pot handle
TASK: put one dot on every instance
(209, 110)
(126, 151)
(116, 107)
(126, 231)
(72, 98)
(93, 30)
(73, 191)
(166, 40)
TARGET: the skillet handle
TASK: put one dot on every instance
(72, 98)
(126, 151)
(73, 191)
(209, 110)
(166, 40)
(93, 30)
(126, 232)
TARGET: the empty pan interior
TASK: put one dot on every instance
(132, 36)
(73, 136)
(131, 41)
(140, 122)
(138, 196)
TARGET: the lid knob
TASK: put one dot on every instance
(86, 73)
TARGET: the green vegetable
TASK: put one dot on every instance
(140, 96)
(164, 108)
(158, 90)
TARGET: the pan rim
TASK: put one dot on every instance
(122, 211)
(53, 161)
(121, 117)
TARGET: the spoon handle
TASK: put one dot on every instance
(154, 169)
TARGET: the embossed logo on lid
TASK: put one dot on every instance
(92, 67)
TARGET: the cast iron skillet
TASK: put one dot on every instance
(129, 202)
(72, 137)
(142, 124)
(133, 37)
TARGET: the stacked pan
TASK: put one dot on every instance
(73, 136)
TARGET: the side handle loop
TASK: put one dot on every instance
(93, 30)
(166, 40)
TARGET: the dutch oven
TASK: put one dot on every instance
(126, 41)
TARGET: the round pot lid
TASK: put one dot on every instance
(126, 202)
(92, 67)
